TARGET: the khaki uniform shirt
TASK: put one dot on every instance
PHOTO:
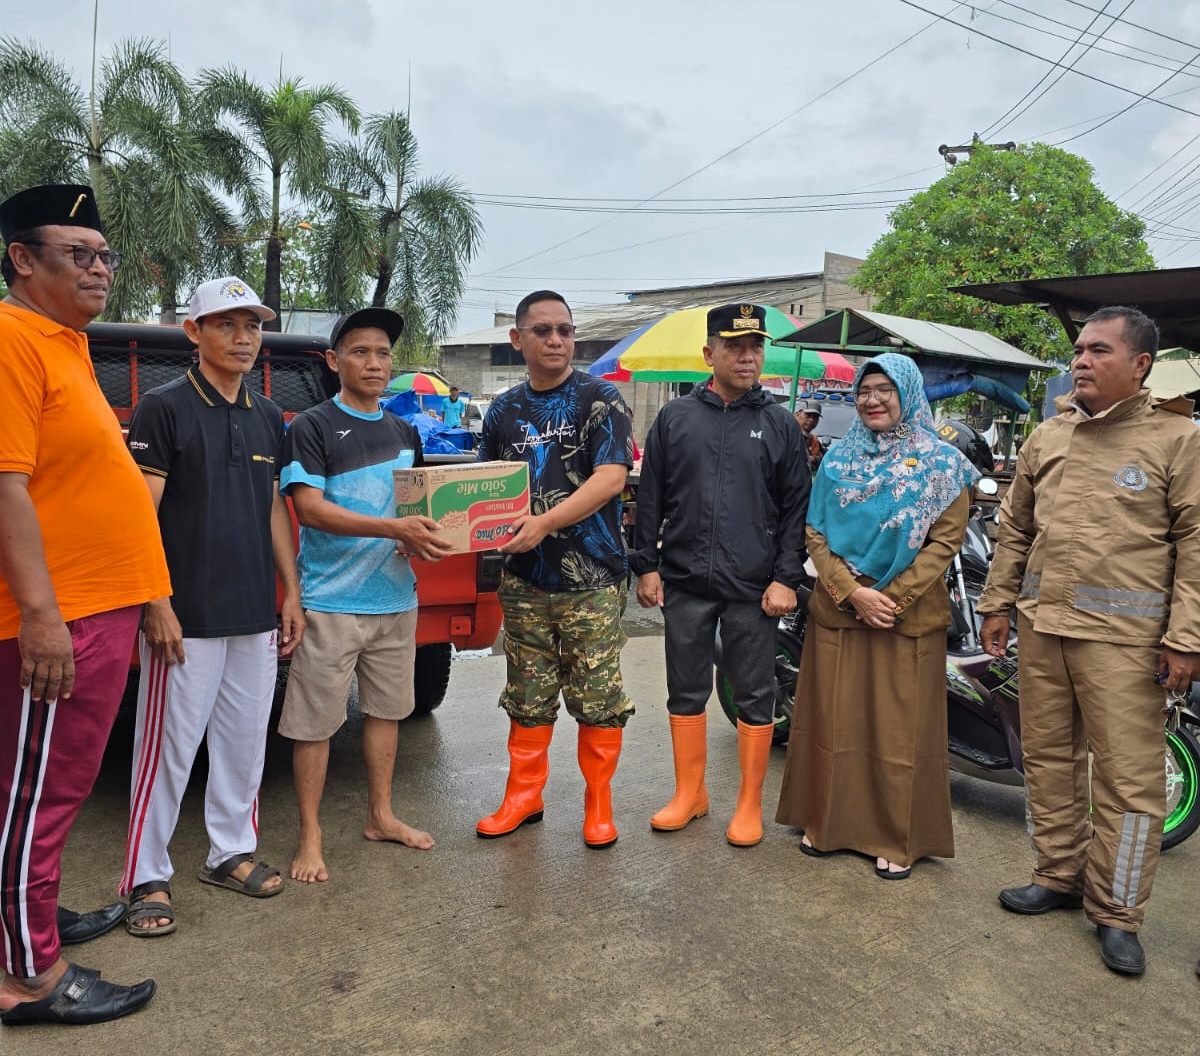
(1100, 532)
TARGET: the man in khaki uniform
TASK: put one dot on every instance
(1099, 549)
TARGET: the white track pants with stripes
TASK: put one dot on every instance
(225, 687)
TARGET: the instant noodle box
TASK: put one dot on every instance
(475, 503)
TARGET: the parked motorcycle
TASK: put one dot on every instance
(983, 693)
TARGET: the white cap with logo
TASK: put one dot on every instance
(226, 295)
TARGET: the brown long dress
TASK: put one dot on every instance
(867, 767)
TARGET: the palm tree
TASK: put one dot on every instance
(415, 237)
(287, 129)
(163, 175)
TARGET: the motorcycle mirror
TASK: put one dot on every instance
(987, 486)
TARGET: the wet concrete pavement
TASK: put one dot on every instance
(665, 943)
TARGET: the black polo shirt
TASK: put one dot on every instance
(220, 461)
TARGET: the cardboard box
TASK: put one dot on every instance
(474, 502)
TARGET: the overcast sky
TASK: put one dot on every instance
(622, 99)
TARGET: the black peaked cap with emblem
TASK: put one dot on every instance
(66, 204)
(734, 320)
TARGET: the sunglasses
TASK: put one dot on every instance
(543, 330)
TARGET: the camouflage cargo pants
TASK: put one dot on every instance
(568, 642)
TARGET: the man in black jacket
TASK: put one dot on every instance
(725, 478)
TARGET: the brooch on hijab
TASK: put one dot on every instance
(903, 430)
(910, 462)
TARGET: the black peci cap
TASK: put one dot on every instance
(67, 204)
(733, 320)
(384, 318)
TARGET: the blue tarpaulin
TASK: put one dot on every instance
(436, 438)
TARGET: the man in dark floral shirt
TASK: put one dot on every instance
(564, 586)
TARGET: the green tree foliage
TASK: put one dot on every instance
(179, 169)
(300, 286)
(1029, 213)
(286, 127)
(413, 236)
(165, 177)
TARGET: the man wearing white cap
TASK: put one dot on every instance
(208, 448)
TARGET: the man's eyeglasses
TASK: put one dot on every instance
(543, 330)
(84, 256)
(881, 393)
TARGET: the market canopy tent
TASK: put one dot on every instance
(952, 358)
(1175, 377)
(1170, 296)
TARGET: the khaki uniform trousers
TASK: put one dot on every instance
(1075, 693)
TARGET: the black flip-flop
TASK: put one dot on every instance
(888, 874)
(812, 852)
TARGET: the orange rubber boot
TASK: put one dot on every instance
(528, 769)
(689, 743)
(599, 751)
(754, 749)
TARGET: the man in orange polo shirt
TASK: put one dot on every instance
(80, 553)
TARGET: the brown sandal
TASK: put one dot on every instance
(252, 886)
(139, 910)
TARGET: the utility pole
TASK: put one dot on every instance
(950, 154)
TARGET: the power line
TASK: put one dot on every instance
(999, 122)
(639, 245)
(1119, 50)
(1042, 58)
(760, 210)
(1135, 25)
(759, 198)
(1160, 165)
(735, 149)
(1125, 110)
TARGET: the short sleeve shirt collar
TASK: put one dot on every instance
(210, 395)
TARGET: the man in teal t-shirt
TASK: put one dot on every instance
(358, 589)
(453, 409)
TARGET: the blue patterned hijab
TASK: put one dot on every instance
(877, 494)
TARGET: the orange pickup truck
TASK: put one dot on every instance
(457, 595)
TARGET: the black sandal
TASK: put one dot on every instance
(253, 885)
(811, 851)
(139, 910)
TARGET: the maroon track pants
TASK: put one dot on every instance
(49, 757)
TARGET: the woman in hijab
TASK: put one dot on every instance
(867, 767)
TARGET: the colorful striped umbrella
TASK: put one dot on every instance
(419, 382)
(671, 350)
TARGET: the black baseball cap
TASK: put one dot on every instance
(733, 320)
(384, 318)
(66, 204)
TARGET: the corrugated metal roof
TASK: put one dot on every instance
(608, 322)
(935, 339)
(611, 322)
(775, 287)
(1168, 296)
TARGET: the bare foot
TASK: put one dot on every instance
(154, 923)
(393, 830)
(309, 866)
(891, 867)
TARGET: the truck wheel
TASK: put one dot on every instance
(431, 676)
